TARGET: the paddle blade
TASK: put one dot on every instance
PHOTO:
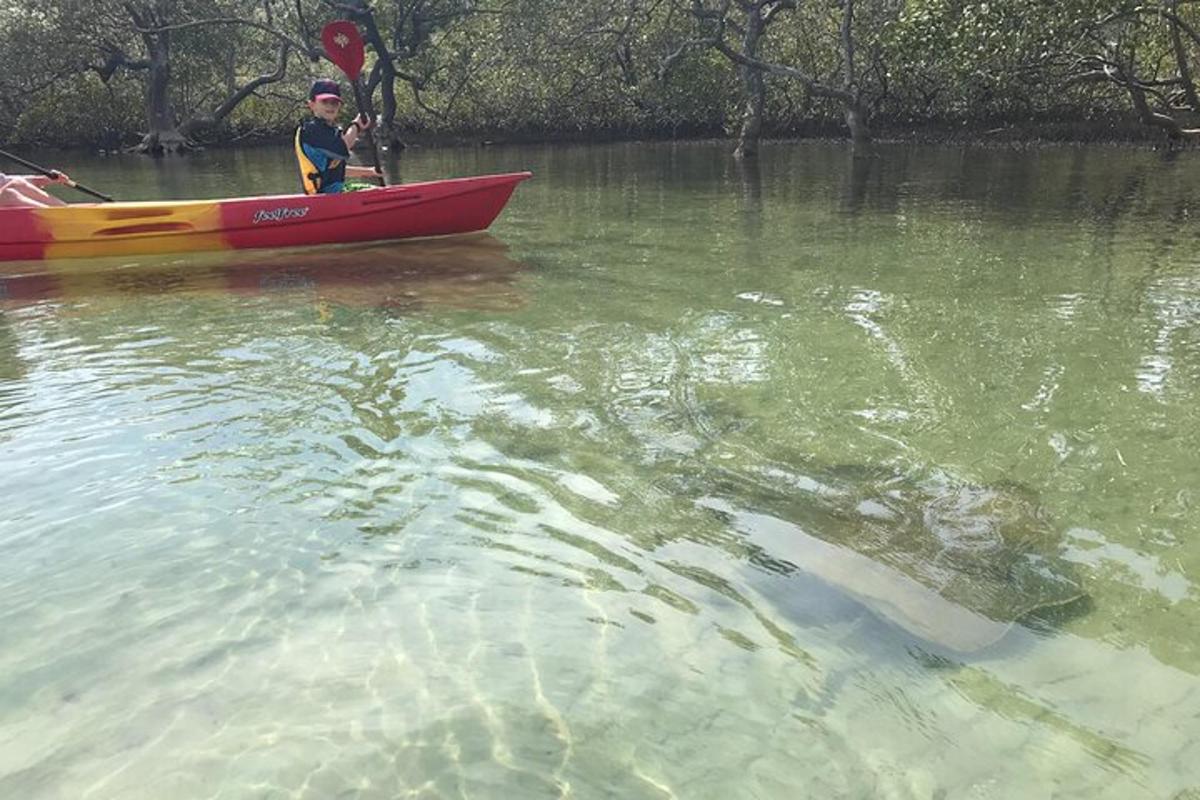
(344, 46)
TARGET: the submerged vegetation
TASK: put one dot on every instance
(164, 74)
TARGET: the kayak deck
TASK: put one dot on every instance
(434, 208)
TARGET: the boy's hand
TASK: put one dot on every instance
(60, 177)
(363, 122)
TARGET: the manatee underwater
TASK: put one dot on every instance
(952, 563)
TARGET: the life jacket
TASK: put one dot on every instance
(322, 169)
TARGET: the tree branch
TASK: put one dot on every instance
(299, 47)
(116, 60)
(812, 84)
(234, 100)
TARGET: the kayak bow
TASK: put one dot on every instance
(435, 208)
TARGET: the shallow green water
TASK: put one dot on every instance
(626, 500)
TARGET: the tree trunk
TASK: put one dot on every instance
(1181, 60)
(856, 121)
(1149, 116)
(382, 75)
(856, 112)
(756, 89)
(388, 128)
(163, 136)
(753, 71)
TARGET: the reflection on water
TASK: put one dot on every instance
(472, 271)
(825, 476)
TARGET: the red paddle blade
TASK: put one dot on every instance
(344, 46)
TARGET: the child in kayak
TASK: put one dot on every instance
(27, 191)
(322, 149)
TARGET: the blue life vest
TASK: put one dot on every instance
(322, 157)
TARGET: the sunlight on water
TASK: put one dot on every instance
(830, 477)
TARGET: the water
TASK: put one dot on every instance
(639, 497)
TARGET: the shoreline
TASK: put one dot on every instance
(1113, 131)
(1121, 133)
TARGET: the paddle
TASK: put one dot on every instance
(49, 173)
(344, 46)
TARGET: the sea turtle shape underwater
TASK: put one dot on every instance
(953, 563)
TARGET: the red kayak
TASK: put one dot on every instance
(435, 208)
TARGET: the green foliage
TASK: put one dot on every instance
(547, 67)
(968, 60)
(82, 111)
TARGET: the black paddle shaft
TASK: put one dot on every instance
(49, 173)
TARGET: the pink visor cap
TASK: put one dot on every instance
(325, 89)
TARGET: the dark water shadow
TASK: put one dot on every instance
(873, 180)
(750, 182)
(860, 165)
(903, 549)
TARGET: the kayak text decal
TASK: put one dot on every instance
(280, 214)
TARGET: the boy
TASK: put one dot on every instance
(322, 149)
(26, 191)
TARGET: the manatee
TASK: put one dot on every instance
(950, 562)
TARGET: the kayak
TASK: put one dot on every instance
(434, 208)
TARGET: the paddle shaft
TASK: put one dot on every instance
(49, 173)
(360, 99)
